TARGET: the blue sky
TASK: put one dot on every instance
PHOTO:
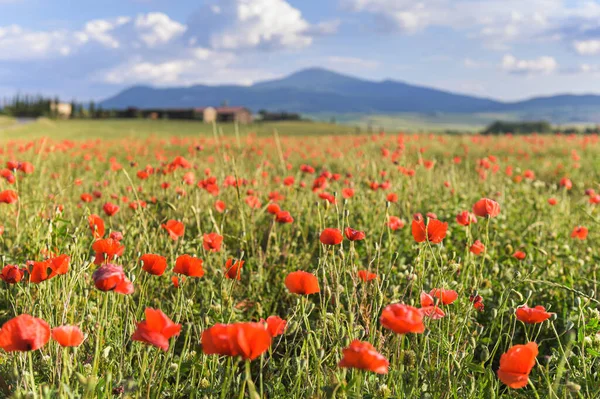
(506, 49)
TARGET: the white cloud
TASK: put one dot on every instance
(20, 44)
(101, 31)
(157, 28)
(587, 47)
(256, 23)
(209, 68)
(541, 65)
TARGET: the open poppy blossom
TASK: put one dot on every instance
(520, 255)
(273, 208)
(402, 319)
(233, 270)
(8, 197)
(579, 232)
(96, 226)
(363, 356)
(24, 333)
(331, 236)
(534, 315)
(247, 340)
(212, 242)
(477, 302)
(434, 232)
(477, 248)
(111, 277)
(220, 206)
(486, 207)
(433, 312)
(156, 330)
(395, 223)
(12, 274)
(445, 296)
(42, 271)
(107, 249)
(516, 364)
(275, 325)
(154, 264)
(189, 266)
(68, 336)
(302, 283)
(110, 209)
(566, 183)
(354, 235)
(465, 218)
(284, 217)
(175, 229)
(366, 275)
(552, 201)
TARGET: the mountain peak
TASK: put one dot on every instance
(310, 78)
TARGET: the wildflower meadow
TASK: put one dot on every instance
(248, 265)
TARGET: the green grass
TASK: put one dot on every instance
(132, 128)
(5, 121)
(456, 356)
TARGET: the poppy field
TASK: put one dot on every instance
(308, 266)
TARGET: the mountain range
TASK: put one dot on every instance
(319, 91)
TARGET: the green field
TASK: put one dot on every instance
(133, 128)
(442, 309)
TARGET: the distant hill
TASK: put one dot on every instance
(318, 90)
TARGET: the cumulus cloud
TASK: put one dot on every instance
(541, 65)
(157, 28)
(20, 44)
(587, 47)
(254, 24)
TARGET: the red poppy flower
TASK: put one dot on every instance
(392, 197)
(552, 201)
(107, 250)
(347, 193)
(486, 207)
(366, 275)
(12, 274)
(9, 197)
(477, 302)
(354, 235)
(212, 242)
(85, 197)
(331, 236)
(447, 297)
(67, 336)
(96, 226)
(434, 232)
(156, 330)
(302, 283)
(110, 277)
(154, 264)
(110, 209)
(284, 217)
(477, 247)
(465, 218)
(24, 333)
(516, 364)
(189, 266)
(433, 312)
(275, 325)
(579, 232)
(534, 315)
(520, 255)
(116, 235)
(174, 228)
(233, 270)
(42, 271)
(363, 356)
(566, 183)
(402, 319)
(247, 340)
(220, 206)
(426, 299)
(273, 208)
(395, 223)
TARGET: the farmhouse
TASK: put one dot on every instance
(206, 114)
(61, 110)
